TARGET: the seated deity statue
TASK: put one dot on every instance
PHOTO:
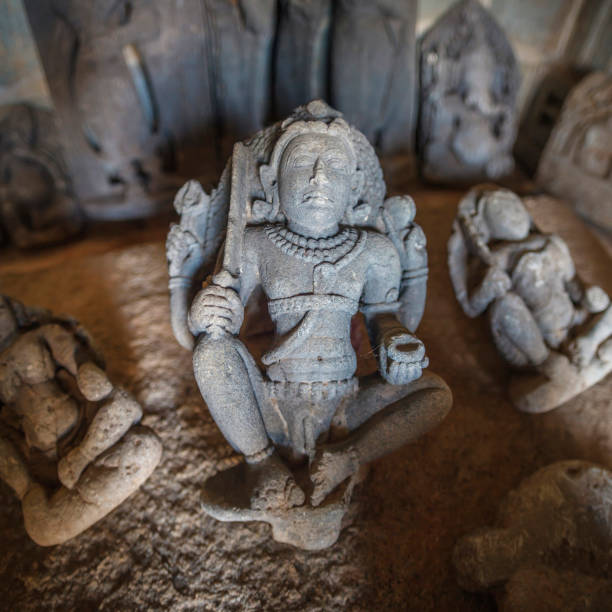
(70, 444)
(545, 322)
(308, 226)
(469, 85)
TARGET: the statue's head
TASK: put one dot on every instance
(312, 178)
(505, 215)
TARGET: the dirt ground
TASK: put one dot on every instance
(159, 551)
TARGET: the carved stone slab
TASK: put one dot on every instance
(467, 107)
(302, 53)
(373, 70)
(577, 161)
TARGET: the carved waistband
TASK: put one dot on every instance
(308, 302)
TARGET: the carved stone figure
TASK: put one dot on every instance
(577, 161)
(543, 319)
(70, 444)
(307, 223)
(469, 84)
(37, 206)
(302, 53)
(148, 91)
(550, 546)
(373, 70)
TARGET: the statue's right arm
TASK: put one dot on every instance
(474, 300)
(218, 305)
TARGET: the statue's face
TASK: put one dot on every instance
(314, 181)
(506, 216)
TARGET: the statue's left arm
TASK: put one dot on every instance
(401, 355)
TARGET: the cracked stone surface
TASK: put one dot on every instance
(158, 550)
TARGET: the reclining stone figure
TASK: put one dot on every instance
(70, 446)
(308, 224)
(543, 319)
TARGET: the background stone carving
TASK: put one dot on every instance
(577, 161)
(469, 82)
(37, 206)
(302, 53)
(373, 70)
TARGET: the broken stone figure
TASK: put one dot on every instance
(309, 225)
(545, 322)
(70, 444)
(550, 546)
(469, 85)
(577, 161)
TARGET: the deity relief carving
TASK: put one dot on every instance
(469, 84)
(307, 222)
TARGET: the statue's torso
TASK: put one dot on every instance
(311, 303)
(539, 270)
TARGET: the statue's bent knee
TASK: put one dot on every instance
(516, 333)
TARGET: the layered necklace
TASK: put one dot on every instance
(315, 250)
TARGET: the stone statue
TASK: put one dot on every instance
(308, 224)
(543, 319)
(37, 206)
(550, 546)
(469, 85)
(577, 161)
(70, 446)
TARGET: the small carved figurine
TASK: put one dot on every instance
(543, 319)
(550, 546)
(308, 224)
(577, 161)
(469, 84)
(70, 446)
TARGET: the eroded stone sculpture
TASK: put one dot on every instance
(577, 161)
(543, 319)
(70, 444)
(550, 546)
(307, 222)
(37, 206)
(469, 84)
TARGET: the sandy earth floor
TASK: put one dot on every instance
(158, 550)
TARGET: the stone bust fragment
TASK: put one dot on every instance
(545, 322)
(469, 84)
(70, 444)
(308, 225)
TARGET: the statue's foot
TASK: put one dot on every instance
(329, 468)
(274, 487)
(70, 468)
(581, 351)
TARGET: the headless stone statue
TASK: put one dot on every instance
(469, 84)
(543, 319)
(322, 246)
(70, 446)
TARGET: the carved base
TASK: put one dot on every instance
(536, 393)
(226, 497)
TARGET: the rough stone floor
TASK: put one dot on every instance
(158, 551)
